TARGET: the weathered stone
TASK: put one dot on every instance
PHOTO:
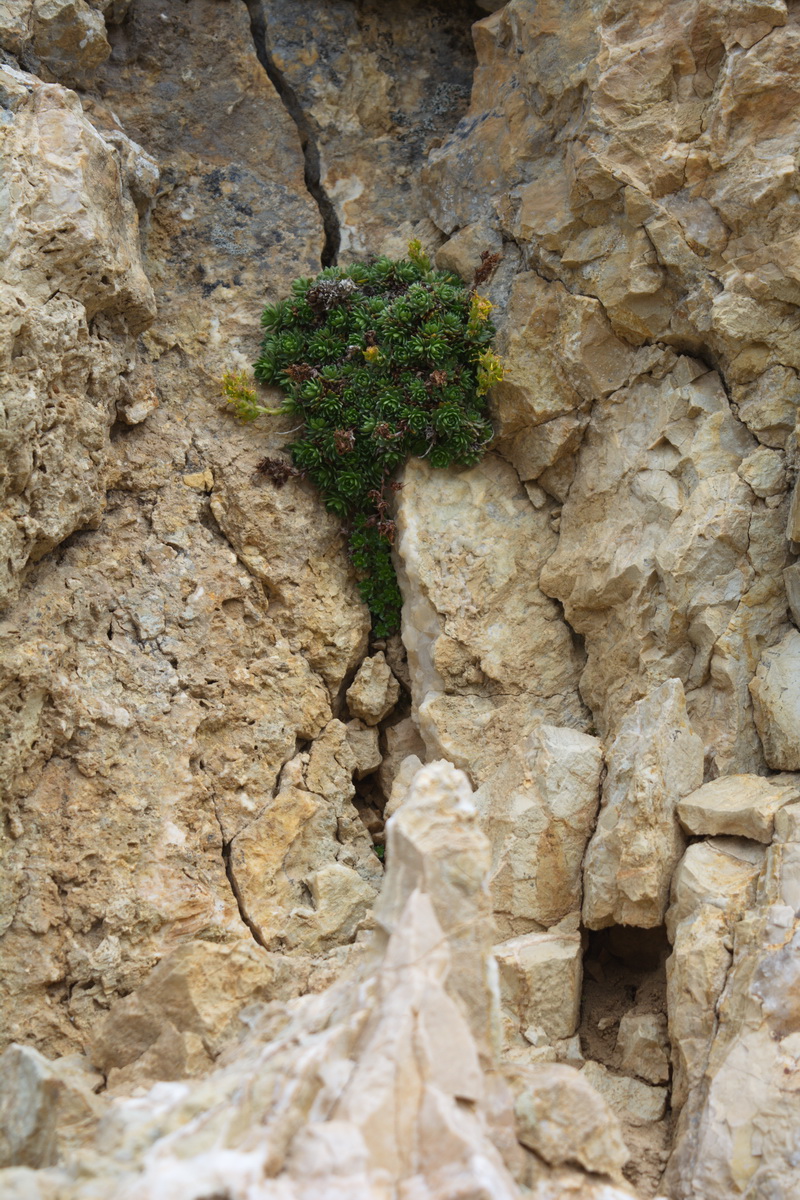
(68, 317)
(712, 873)
(540, 982)
(308, 843)
(791, 577)
(401, 783)
(199, 989)
(45, 1107)
(538, 811)
(741, 805)
(724, 1145)
(386, 1076)
(565, 1120)
(643, 1044)
(364, 743)
(634, 1102)
(696, 974)
(765, 471)
(374, 692)
(488, 653)
(69, 38)
(401, 740)
(776, 699)
(653, 762)
(150, 700)
(377, 86)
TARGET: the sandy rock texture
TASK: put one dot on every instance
(649, 223)
(581, 964)
(374, 87)
(489, 654)
(389, 1080)
(152, 689)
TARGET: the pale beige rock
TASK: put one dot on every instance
(741, 805)
(538, 811)
(791, 578)
(402, 783)
(653, 762)
(776, 700)
(765, 471)
(46, 1108)
(540, 983)
(634, 1102)
(400, 741)
(374, 692)
(793, 520)
(565, 1120)
(199, 989)
(787, 824)
(664, 218)
(364, 743)
(384, 1078)
(711, 874)
(308, 844)
(66, 189)
(644, 1047)
(696, 974)
(142, 676)
(724, 1146)
(462, 253)
(488, 653)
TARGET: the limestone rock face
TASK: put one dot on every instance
(386, 1077)
(724, 1144)
(741, 805)
(776, 697)
(377, 85)
(488, 651)
(639, 215)
(653, 762)
(150, 697)
(73, 299)
(538, 810)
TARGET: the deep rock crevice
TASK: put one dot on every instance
(305, 130)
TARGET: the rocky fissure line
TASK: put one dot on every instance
(259, 26)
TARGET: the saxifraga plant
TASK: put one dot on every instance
(383, 361)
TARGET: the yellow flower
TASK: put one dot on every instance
(479, 310)
(372, 354)
(490, 371)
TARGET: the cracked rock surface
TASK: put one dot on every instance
(578, 976)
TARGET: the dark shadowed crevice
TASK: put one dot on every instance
(308, 144)
(248, 921)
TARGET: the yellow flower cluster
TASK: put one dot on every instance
(490, 371)
(479, 310)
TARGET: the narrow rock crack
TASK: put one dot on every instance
(308, 143)
(237, 894)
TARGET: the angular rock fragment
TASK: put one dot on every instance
(654, 761)
(776, 700)
(538, 810)
(634, 1102)
(644, 1047)
(540, 982)
(374, 692)
(739, 805)
(565, 1120)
